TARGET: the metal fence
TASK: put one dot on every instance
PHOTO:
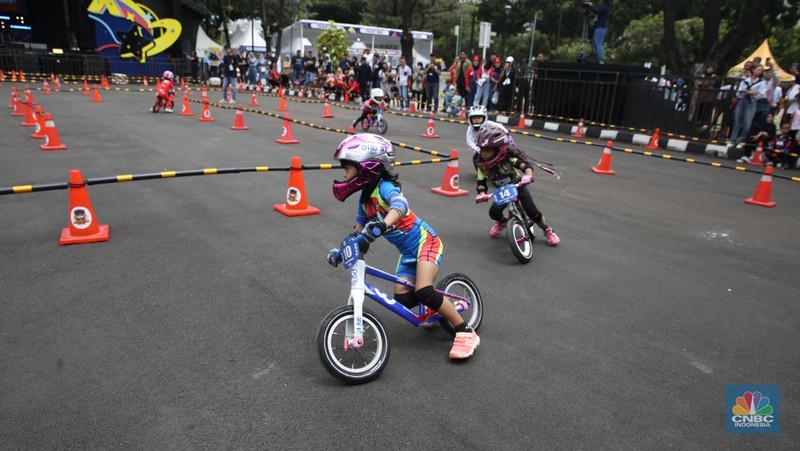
(630, 99)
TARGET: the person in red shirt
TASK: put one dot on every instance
(371, 105)
(166, 91)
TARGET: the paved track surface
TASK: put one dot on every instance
(194, 326)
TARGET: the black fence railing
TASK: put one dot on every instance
(626, 97)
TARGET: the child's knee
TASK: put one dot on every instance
(429, 297)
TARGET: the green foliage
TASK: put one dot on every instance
(333, 41)
(641, 40)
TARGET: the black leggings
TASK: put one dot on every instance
(496, 211)
(364, 114)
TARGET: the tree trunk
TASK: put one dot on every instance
(727, 51)
(669, 42)
(265, 25)
(281, 23)
(407, 40)
(224, 15)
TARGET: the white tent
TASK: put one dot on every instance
(205, 44)
(247, 35)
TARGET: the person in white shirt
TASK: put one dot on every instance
(403, 76)
(749, 91)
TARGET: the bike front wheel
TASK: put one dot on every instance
(156, 106)
(382, 126)
(463, 286)
(519, 239)
(365, 124)
(343, 361)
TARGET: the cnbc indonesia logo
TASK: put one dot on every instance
(752, 411)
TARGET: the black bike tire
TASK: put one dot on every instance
(476, 309)
(351, 377)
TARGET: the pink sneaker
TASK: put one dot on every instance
(496, 229)
(552, 238)
(464, 345)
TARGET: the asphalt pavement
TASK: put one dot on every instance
(194, 326)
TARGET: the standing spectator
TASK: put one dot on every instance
(376, 70)
(263, 70)
(327, 64)
(416, 83)
(191, 60)
(507, 84)
(229, 63)
(432, 75)
(705, 94)
(243, 64)
(403, 81)
(297, 67)
(344, 64)
(364, 77)
(601, 12)
(749, 91)
(309, 66)
(473, 74)
(484, 86)
(252, 70)
(352, 88)
(451, 79)
(286, 71)
(494, 77)
(461, 74)
(367, 54)
(768, 102)
(793, 103)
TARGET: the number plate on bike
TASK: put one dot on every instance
(350, 252)
(505, 194)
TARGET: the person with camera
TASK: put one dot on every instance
(601, 12)
(432, 74)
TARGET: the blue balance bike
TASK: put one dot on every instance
(519, 232)
(375, 119)
(352, 341)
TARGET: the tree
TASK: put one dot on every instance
(728, 28)
(333, 41)
(642, 40)
(342, 11)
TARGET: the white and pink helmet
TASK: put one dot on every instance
(371, 154)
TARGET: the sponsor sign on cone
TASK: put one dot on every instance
(238, 121)
(186, 110)
(96, 97)
(449, 186)
(83, 224)
(763, 191)
(286, 134)
(326, 111)
(39, 117)
(282, 105)
(580, 130)
(430, 130)
(521, 123)
(205, 116)
(52, 140)
(758, 157)
(254, 99)
(654, 140)
(296, 199)
(604, 166)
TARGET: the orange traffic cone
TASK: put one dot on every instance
(19, 107)
(296, 199)
(13, 76)
(346, 97)
(286, 134)
(205, 116)
(39, 117)
(22, 76)
(57, 84)
(86, 88)
(203, 92)
(413, 107)
(326, 111)
(254, 99)
(14, 95)
(29, 120)
(96, 97)
(462, 115)
(430, 131)
(2, 75)
(763, 190)
(758, 157)
(51, 141)
(351, 129)
(282, 106)
(580, 130)
(449, 186)
(46, 87)
(83, 224)
(228, 94)
(654, 140)
(183, 83)
(521, 123)
(604, 166)
(238, 121)
(28, 94)
(104, 82)
(186, 110)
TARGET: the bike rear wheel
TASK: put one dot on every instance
(461, 285)
(157, 106)
(382, 126)
(353, 366)
(519, 239)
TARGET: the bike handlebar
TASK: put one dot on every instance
(488, 196)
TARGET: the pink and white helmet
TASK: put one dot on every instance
(370, 154)
(167, 75)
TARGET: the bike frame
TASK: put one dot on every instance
(374, 118)
(360, 288)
